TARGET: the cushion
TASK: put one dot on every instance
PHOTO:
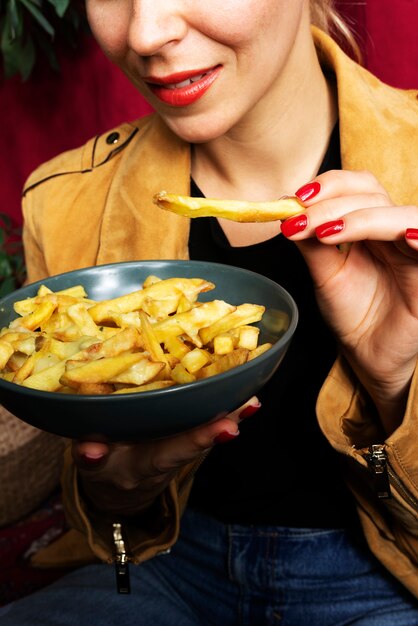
(30, 466)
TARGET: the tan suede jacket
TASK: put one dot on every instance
(94, 205)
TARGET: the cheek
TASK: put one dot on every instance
(109, 27)
(254, 25)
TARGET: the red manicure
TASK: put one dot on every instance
(411, 233)
(308, 191)
(224, 437)
(294, 225)
(329, 228)
(249, 410)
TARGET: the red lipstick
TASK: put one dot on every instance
(183, 88)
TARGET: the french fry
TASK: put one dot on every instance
(248, 337)
(159, 384)
(259, 350)
(222, 344)
(195, 360)
(175, 346)
(23, 307)
(36, 318)
(191, 287)
(236, 210)
(224, 363)
(27, 345)
(94, 389)
(123, 320)
(16, 361)
(79, 315)
(243, 314)
(192, 321)
(47, 379)
(181, 376)
(139, 373)
(152, 338)
(123, 341)
(98, 371)
(6, 351)
(152, 345)
(28, 366)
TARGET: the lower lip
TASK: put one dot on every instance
(184, 96)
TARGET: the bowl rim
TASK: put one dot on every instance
(175, 389)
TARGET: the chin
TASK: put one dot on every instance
(199, 130)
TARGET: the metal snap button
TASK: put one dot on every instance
(112, 138)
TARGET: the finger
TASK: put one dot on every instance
(377, 224)
(166, 454)
(184, 448)
(303, 226)
(411, 238)
(335, 183)
(245, 410)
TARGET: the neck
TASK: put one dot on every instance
(280, 144)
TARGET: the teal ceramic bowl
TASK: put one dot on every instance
(162, 413)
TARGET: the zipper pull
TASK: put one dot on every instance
(121, 561)
(377, 462)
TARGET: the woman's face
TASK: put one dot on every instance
(207, 66)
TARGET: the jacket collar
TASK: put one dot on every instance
(378, 123)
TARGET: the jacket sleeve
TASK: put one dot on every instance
(34, 258)
(351, 425)
(146, 536)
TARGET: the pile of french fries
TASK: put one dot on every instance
(155, 337)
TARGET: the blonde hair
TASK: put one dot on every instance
(326, 17)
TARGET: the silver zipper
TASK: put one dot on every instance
(385, 476)
(377, 462)
(121, 561)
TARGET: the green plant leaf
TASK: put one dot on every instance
(5, 266)
(60, 6)
(7, 286)
(30, 31)
(18, 58)
(10, 51)
(27, 59)
(39, 17)
(15, 19)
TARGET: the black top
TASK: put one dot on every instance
(280, 470)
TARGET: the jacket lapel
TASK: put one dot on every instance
(133, 227)
(378, 131)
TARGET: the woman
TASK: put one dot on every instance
(251, 104)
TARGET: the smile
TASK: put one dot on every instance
(184, 88)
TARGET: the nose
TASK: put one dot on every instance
(155, 24)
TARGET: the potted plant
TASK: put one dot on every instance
(12, 266)
(32, 29)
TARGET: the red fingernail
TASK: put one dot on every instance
(411, 233)
(294, 225)
(329, 228)
(249, 410)
(308, 191)
(225, 436)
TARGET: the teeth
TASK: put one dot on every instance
(185, 83)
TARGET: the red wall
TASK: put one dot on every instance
(387, 33)
(53, 112)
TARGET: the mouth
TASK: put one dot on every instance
(183, 88)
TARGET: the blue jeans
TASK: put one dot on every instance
(220, 575)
